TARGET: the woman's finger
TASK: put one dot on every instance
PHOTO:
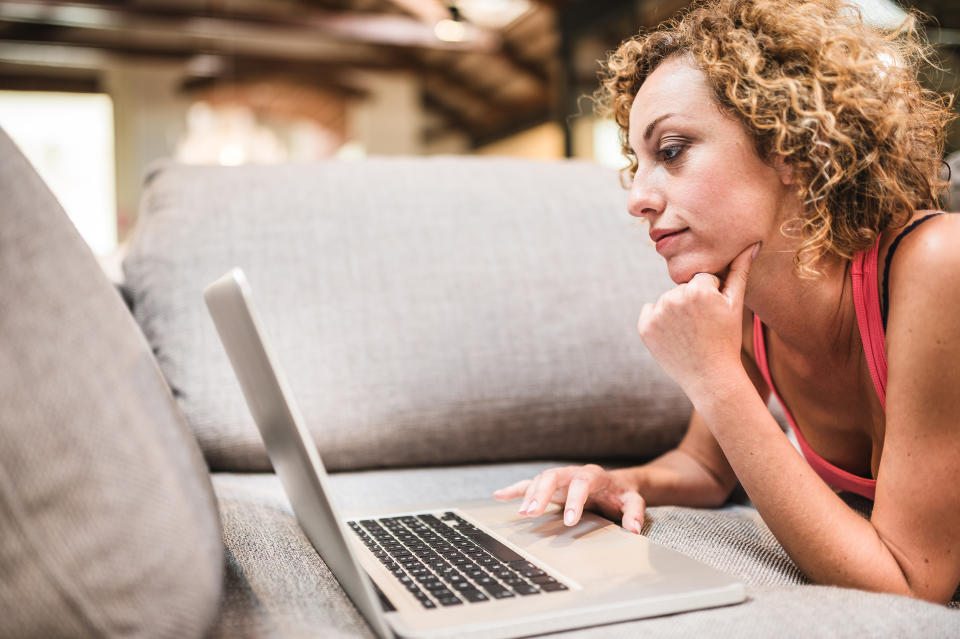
(634, 509)
(543, 493)
(528, 493)
(582, 483)
(707, 281)
(645, 315)
(512, 491)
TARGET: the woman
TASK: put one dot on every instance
(785, 157)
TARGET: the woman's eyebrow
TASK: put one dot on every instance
(649, 130)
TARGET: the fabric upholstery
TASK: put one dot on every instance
(425, 310)
(108, 524)
(303, 599)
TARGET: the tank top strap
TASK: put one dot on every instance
(866, 302)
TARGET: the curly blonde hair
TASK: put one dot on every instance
(838, 100)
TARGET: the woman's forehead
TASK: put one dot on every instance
(676, 86)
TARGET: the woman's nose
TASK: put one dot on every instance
(644, 198)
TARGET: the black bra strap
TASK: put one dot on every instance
(884, 307)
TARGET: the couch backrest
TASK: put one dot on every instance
(426, 311)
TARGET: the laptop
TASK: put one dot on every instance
(465, 569)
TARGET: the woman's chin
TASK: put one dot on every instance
(681, 273)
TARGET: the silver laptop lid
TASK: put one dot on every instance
(292, 452)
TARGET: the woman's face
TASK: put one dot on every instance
(698, 175)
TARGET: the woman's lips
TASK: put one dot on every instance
(666, 240)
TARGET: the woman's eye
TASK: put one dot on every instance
(670, 153)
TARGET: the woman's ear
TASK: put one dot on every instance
(784, 170)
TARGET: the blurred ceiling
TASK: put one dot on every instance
(488, 67)
(485, 66)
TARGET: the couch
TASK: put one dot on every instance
(448, 326)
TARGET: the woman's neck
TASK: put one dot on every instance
(811, 316)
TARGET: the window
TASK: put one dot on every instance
(68, 137)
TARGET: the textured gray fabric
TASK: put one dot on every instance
(426, 311)
(108, 525)
(278, 587)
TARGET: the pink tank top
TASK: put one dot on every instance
(866, 301)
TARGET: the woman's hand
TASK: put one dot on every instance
(694, 331)
(611, 493)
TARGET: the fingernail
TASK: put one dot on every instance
(569, 516)
(532, 507)
(756, 249)
(636, 526)
(523, 508)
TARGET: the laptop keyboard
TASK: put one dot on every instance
(447, 561)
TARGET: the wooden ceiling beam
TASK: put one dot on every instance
(231, 30)
(304, 27)
(252, 72)
(65, 61)
(20, 79)
(428, 11)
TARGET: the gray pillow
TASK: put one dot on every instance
(108, 524)
(426, 310)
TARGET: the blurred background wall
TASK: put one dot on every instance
(96, 91)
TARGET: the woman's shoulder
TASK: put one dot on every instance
(925, 264)
(929, 241)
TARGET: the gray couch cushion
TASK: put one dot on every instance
(426, 310)
(108, 524)
(277, 586)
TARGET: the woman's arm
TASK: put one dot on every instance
(697, 472)
(917, 508)
(910, 546)
(827, 540)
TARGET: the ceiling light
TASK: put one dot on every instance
(492, 14)
(450, 31)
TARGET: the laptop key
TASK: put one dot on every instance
(438, 589)
(544, 579)
(553, 587)
(494, 588)
(525, 589)
(452, 600)
(473, 595)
